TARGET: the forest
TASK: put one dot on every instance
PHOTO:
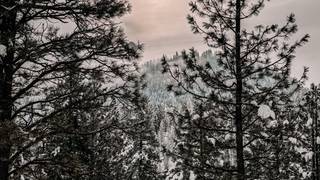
(80, 104)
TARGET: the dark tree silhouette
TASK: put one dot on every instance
(144, 157)
(312, 127)
(34, 56)
(251, 74)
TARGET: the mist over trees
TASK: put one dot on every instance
(75, 104)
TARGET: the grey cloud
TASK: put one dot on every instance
(162, 26)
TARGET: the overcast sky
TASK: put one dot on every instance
(162, 26)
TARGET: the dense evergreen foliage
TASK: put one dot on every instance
(61, 91)
(74, 104)
(236, 126)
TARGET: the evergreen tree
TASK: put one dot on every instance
(241, 94)
(71, 151)
(144, 161)
(311, 129)
(34, 57)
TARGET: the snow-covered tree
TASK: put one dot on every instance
(144, 159)
(310, 130)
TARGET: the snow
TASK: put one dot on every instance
(192, 176)
(305, 153)
(3, 50)
(229, 82)
(56, 151)
(23, 161)
(309, 122)
(306, 174)
(264, 134)
(43, 172)
(273, 123)
(265, 112)
(221, 162)
(254, 103)
(227, 137)
(248, 150)
(286, 122)
(308, 156)
(293, 140)
(318, 140)
(267, 82)
(212, 141)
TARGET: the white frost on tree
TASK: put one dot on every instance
(3, 50)
(264, 134)
(308, 156)
(22, 177)
(56, 151)
(309, 122)
(272, 124)
(285, 122)
(265, 112)
(293, 140)
(318, 140)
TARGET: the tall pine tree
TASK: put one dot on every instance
(240, 94)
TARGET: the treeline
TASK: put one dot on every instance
(74, 104)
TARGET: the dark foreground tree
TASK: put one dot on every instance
(313, 107)
(34, 55)
(240, 91)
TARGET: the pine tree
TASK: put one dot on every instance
(194, 146)
(312, 129)
(71, 151)
(145, 159)
(34, 56)
(241, 94)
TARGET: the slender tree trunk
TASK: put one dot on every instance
(202, 153)
(238, 113)
(314, 177)
(316, 135)
(7, 35)
(140, 159)
(313, 108)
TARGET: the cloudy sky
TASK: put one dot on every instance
(162, 26)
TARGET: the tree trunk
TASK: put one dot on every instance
(316, 135)
(313, 108)
(238, 113)
(202, 175)
(4, 152)
(7, 36)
